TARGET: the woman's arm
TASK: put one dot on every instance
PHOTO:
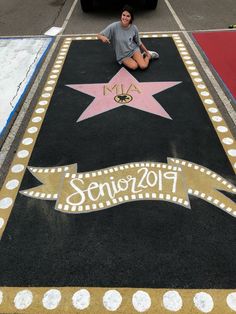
(144, 49)
(103, 38)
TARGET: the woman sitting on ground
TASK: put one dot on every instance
(124, 37)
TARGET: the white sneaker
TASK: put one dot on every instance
(154, 54)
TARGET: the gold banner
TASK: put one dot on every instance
(96, 190)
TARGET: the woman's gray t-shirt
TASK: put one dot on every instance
(125, 41)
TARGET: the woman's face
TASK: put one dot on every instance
(125, 18)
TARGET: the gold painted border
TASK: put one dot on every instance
(32, 300)
(119, 300)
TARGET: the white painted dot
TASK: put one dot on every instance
(112, 300)
(191, 68)
(12, 184)
(58, 62)
(228, 141)
(40, 110)
(36, 119)
(27, 141)
(222, 129)
(201, 86)
(43, 102)
(23, 153)
(32, 130)
(17, 168)
(46, 95)
(172, 301)
(195, 73)
(51, 299)
(53, 76)
(204, 93)
(60, 58)
(141, 301)
(81, 299)
(23, 299)
(1, 297)
(231, 300)
(203, 302)
(1, 225)
(5, 202)
(48, 88)
(217, 118)
(213, 110)
(51, 82)
(57, 66)
(208, 101)
(55, 71)
(189, 62)
(186, 58)
(198, 79)
(232, 152)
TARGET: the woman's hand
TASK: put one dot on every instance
(104, 39)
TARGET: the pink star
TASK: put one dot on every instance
(123, 89)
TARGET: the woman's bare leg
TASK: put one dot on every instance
(130, 63)
(142, 61)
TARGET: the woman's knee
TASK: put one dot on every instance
(143, 66)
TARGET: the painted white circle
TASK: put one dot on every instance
(81, 299)
(217, 118)
(204, 93)
(57, 66)
(23, 299)
(182, 49)
(32, 130)
(40, 110)
(43, 102)
(184, 53)
(192, 68)
(222, 129)
(172, 301)
(141, 301)
(232, 152)
(61, 58)
(51, 82)
(12, 184)
(55, 71)
(36, 119)
(112, 300)
(17, 168)
(27, 141)
(198, 79)
(53, 76)
(186, 58)
(58, 62)
(62, 53)
(48, 88)
(189, 62)
(213, 110)
(201, 86)
(51, 299)
(46, 95)
(231, 300)
(164, 35)
(1, 297)
(228, 141)
(195, 73)
(5, 202)
(1, 225)
(203, 302)
(208, 101)
(23, 153)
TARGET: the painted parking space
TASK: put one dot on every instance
(219, 47)
(20, 58)
(121, 203)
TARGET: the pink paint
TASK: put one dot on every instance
(123, 83)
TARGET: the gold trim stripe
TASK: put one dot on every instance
(118, 300)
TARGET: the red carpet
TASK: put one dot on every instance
(220, 49)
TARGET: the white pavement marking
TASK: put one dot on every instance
(205, 67)
(11, 136)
